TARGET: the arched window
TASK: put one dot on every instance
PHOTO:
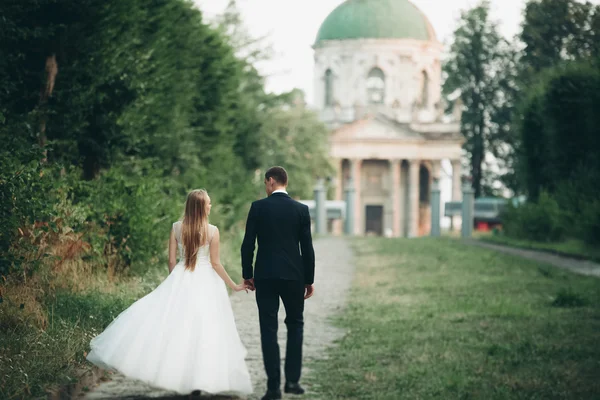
(328, 88)
(376, 86)
(425, 91)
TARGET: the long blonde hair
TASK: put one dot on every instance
(194, 228)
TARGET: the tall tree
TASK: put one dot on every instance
(251, 49)
(293, 136)
(557, 30)
(285, 132)
(481, 67)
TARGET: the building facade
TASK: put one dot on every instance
(377, 82)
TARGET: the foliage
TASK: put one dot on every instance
(540, 221)
(24, 195)
(557, 30)
(482, 67)
(110, 113)
(590, 222)
(555, 123)
(141, 102)
(494, 77)
(296, 139)
(128, 213)
(560, 143)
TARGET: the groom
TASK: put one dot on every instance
(284, 268)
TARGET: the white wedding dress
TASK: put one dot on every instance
(181, 336)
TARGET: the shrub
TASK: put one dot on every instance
(130, 214)
(25, 198)
(590, 223)
(539, 221)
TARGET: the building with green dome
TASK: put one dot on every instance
(377, 81)
(376, 19)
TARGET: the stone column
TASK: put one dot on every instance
(436, 167)
(339, 194)
(413, 197)
(395, 174)
(468, 210)
(456, 180)
(436, 172)
(349, 194)
(456, 190)
(356, 170)
(320, 210)
(435, 208)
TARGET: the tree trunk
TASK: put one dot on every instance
(477, 159)
(46, 92)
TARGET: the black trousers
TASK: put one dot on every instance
(268, 292)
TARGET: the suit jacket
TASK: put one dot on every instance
(281, 226)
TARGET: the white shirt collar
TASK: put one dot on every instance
(280, 191)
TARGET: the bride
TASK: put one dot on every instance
(182, 336)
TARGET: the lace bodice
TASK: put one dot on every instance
(203, 252)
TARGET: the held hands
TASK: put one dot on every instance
(240, 287)
(250, 284)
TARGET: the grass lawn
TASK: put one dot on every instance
(35, 361)
(45, 330)
(571, 247)
(436, 319)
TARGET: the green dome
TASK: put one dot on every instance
(376, 19)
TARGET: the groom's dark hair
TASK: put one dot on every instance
(277, 173)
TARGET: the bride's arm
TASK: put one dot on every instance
(215, 260)
(172, 251)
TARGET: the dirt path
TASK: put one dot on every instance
(578, 266)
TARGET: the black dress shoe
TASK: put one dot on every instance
(293, 388)
(272, 395)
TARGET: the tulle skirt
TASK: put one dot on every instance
(181, 337)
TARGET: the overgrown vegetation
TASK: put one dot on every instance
(110, 113)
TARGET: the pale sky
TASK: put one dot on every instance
(292, 26)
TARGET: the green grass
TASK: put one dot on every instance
(569, 248)
(436, 319)
(35, 361)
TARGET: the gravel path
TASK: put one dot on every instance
(333, 277)
(578, 266)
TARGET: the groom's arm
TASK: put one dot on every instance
(306, 246)
(248, 244)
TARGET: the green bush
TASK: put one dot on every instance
(539, 221)
(129, 214)
(590, 223)
(558, 127)
(558, 130)
(25, 198)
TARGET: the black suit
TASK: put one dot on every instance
(285, 262)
